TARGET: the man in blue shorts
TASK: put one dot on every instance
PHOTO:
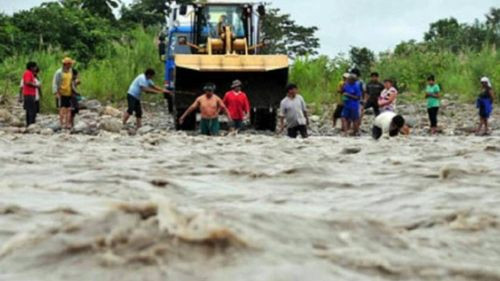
(351, 113)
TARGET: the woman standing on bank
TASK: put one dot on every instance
(432, 94)
(485, 105)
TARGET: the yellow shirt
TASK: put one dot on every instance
(339, 95)
(66, 80)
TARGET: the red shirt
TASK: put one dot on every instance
(28, 77)
(237, 105)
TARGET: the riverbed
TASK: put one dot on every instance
(168, 206)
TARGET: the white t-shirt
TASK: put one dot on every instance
(293, 111)
(383, 121)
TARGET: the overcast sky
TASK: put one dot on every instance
(376, 24)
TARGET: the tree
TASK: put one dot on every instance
(362, 58)
(287, 36)
(445, 33)
(101, 8)
(147, 12)
(52, 25)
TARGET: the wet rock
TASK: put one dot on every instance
(315, 118)
(111, 125)
(17, 122)
(412, 122)
(81, 127)
(451, 172)
(5, 116)
(145, 130)
(492, 148)
(111, 111)
(34, 129)
(15, 130)
(351, 150)
(54, 126)
(47, 132)
(93, 105)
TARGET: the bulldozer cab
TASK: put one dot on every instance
(225, 44)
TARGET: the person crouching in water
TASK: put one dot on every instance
(389, 123)
(351, 113)
(238, 106)
(293, 109)
(433, 102)
(142, 83)
(485, 105)
(210, 106)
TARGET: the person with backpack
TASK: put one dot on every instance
(432, 94)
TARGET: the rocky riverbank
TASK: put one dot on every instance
(455, 119)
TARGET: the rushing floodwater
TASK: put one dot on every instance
(172, 207)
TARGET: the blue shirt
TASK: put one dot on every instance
(139, 83)
(354, 90)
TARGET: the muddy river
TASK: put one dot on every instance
(252, 208)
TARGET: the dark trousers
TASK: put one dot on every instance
(373, 104)
(170, 101)
(433, 113)
(338, 111)
(293, 132)
(31, 110)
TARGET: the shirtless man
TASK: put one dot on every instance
(210, 106)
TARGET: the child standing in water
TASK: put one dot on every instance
(485, 105)
(432, 94)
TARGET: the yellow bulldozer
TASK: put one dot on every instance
(218, 42)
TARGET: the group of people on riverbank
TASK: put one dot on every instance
(64, 87)
(354, 99)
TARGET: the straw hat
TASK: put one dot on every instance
(68, 60)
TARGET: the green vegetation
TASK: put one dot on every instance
(457, 54)
(111, 51)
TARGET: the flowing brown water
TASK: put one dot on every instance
(173, 207)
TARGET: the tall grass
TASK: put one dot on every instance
(106, 80)
(12, 68)
(458, 74)
(109, 79)
(318, 78)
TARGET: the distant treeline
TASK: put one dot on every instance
(458, 54)
(111, 48)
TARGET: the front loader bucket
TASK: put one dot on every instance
(264, 88)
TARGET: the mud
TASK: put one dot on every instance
(174, 207)
(163, 205)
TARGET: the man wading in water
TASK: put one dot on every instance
(238, 106)
(293, 109)
(210, 106)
